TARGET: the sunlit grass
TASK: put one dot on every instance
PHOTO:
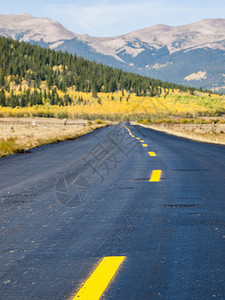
(9, 146)
(123, 106)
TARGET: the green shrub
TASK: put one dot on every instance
(8, 146)
(99, 121)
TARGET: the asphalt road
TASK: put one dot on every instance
(65, 207)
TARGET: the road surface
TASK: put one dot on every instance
(124, 212)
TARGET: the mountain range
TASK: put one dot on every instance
(191, 54)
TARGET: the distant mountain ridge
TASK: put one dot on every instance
(191, 54)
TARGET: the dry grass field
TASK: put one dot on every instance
(22, 134)
(210, 133)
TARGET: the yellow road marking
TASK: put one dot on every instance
(142, 141)
(137, 138)
(152, 153)
(95, 285)
(144, 145)
(156, 175)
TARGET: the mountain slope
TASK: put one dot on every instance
(206, 33)
(177, 54)
(48, 33)
(29, 29)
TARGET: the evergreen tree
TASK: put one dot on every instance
(2, 98)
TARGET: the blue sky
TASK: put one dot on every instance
(114, 17)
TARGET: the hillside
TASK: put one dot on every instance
(176, 54)
(33, 75)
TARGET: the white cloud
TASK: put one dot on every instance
(109, 17)
(105, 16)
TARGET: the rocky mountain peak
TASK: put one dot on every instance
(26, 28)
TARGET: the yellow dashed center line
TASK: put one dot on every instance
(95, 285)
(156, 175)
(152, 153)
